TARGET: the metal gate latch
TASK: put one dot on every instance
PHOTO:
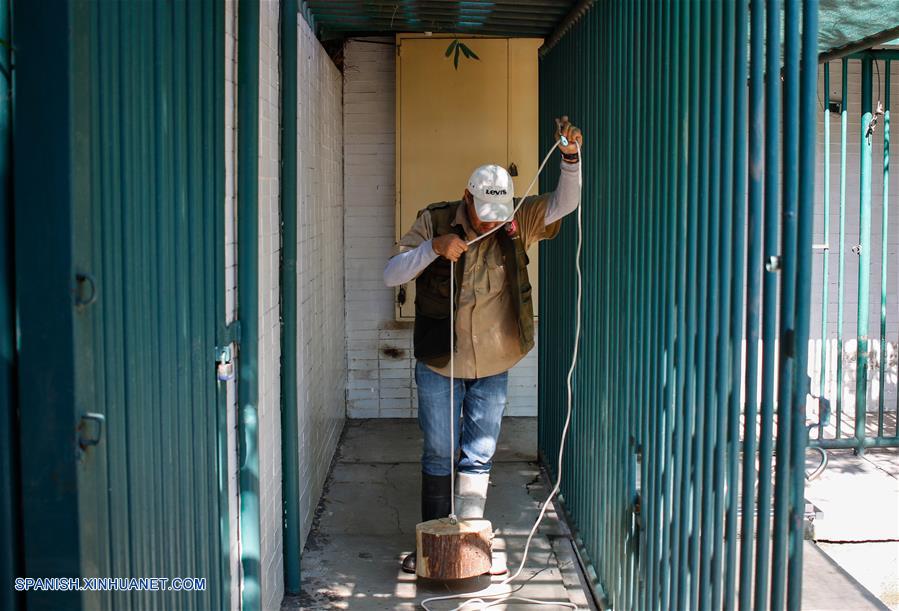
(224, 364)
(90, 430)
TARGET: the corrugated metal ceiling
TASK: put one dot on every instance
(537, 18)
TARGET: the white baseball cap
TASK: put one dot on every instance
(493, 192)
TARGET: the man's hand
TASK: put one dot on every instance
(571, 133)
(449, 246)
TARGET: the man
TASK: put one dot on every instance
(494, 319)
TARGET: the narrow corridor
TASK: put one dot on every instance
(366, 521)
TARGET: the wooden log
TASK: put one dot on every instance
(453, 551)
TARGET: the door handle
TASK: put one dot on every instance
(90, 430)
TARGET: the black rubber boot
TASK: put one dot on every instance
(435, 503)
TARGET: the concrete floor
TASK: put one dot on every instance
(367, 519)
(366, 522)
(857, 498)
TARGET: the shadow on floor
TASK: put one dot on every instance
(367, 516)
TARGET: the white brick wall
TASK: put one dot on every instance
(321, 341)
(231, 284)
(850, 302)
(379, 350)
(271, 554)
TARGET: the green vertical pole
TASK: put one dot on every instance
(652, 452)
(10, 495)
(681, 48)
(290, 454)
(864, 258)
(676, 236)
(740, 130)
(844, 123)
(787, 346)
(707, 312)
(769, 305)
(825, 240)
(884, 244)
(248, 300)
(757, 159)
(725, 546)
(673, 84)
(808, 76)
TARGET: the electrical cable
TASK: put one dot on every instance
(504, 597)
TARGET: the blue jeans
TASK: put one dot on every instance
(478, 413)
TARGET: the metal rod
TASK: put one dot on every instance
(248, 302)
(786, 334)
(864, 256)
(884, 250)
(769, 303)
(290, 429)
(757, 160)
(825, 283)
(722, 547)
(844, 125)
(852, 443)
(808, 75)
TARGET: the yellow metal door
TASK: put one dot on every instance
(449, 121)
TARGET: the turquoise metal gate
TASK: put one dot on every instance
(661, 474)
(871, 422)
(120, 270)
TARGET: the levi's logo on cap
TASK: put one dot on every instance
(495, 192)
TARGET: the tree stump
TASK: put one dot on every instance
(453, 551)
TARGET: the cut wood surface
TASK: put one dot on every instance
(453, 551)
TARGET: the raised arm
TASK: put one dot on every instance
(565, 199)
(567, 196)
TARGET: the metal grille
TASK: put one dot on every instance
(698, 226)
(499, 17)
(864, 414)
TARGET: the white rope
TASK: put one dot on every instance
(489, 592)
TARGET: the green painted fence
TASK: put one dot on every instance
(119, 210)
(697, 234)
(871, 425)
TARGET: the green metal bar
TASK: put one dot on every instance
(786, 335)
(725, 439)
(884, 243)
(248, 300)
(844, 124)
(706, 331)
(882, 54)
(808, 76)
(685, 334)
(677, 284)
(652, 448)
(754, 266)
(739, 147)
(10, 493)
(672, 64)
(864, 255)
(852, 443)
(769, 305)
(825, 241)
(290, 430)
